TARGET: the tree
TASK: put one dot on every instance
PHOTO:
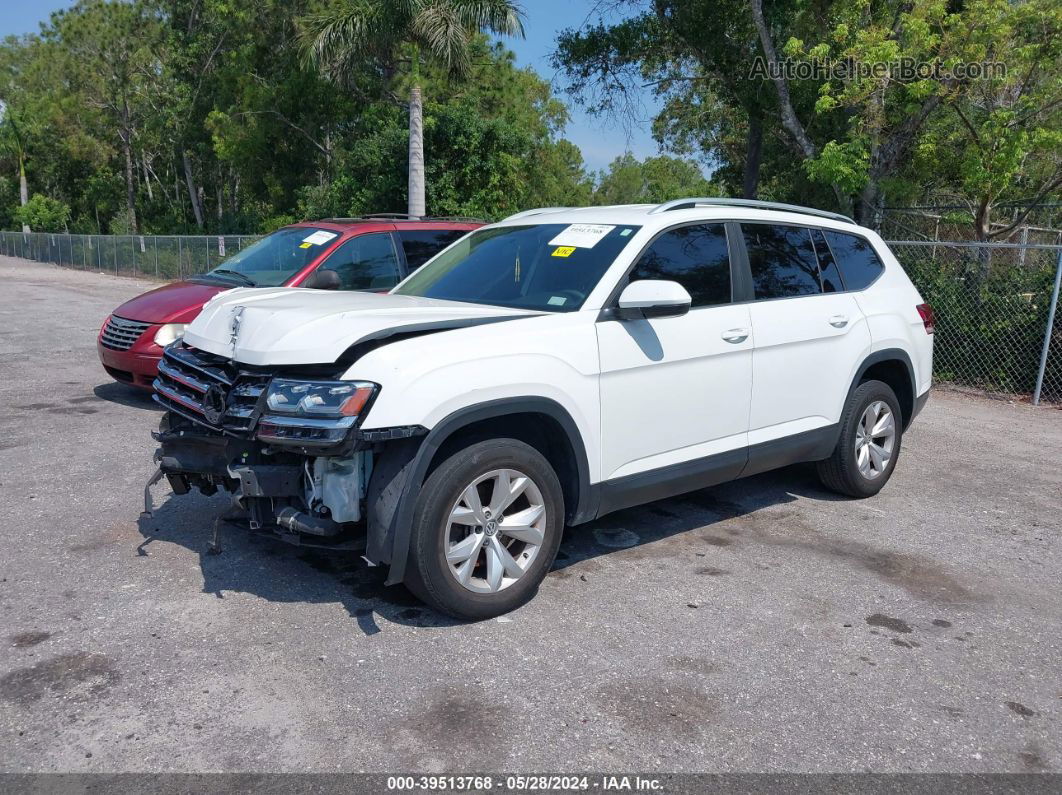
(113, 61)
(493, 138)
(651, 181)
(1001, 137)
(11, 138)
(340, 38)
(43, 214)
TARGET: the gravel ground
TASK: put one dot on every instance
(765, 625)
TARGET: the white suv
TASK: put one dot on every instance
(542, 372)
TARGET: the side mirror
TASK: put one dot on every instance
(653, 298)
(323, 279)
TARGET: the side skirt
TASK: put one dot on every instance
(658, 484)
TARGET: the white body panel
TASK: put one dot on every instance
(427, 378)
(673, 388)
(292, 325)
(802, 365)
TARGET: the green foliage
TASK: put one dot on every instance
(43, 214)
(856, 141)
(990, 317)
(651, 181)
(221, 113)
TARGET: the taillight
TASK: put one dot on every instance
(925, 311)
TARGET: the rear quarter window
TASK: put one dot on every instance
(856, 257)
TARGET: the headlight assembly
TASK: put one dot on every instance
(313, 413)
(319, 398)
(169, 333)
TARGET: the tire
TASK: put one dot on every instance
(447, 494)
(842, 471)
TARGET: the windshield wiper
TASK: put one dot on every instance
(241, 276)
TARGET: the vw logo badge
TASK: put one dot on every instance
(214, 404)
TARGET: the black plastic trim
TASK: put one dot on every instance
(402, 520)
(813, 445)
(919, 404)
(700, 473)
(426, 328)
(658, 484)
(888, 355)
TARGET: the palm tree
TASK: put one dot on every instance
(340, 38)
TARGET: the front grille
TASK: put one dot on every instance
(119, 334)
(186, 376)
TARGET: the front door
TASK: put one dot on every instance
(366, 262)
(676, 390)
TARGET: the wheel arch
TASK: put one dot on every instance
(538, 421)
(892, 366)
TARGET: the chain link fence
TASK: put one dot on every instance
(995, 328)
(155, 256)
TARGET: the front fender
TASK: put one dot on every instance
(403, 466)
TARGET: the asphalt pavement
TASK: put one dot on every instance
(765, 625)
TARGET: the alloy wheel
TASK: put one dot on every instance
(875, 440)
(495, 530)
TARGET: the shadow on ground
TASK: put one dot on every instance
(125, 395)
(273, 570)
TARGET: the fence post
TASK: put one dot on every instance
(1047, 331)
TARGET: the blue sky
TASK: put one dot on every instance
(544, 19)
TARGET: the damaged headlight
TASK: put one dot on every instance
(319, 398)
(307, 413)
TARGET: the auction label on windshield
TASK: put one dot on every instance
(581, 235)
(319, 237)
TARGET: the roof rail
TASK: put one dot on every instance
(404, 217)
(752, 204)
(536, 211)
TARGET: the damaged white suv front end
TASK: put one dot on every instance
(545, 371)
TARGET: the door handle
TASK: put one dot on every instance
(735, 335)
(839, 321)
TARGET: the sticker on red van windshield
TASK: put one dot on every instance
(581, 235)
(319, 237)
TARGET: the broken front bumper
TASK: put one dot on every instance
(299, 498)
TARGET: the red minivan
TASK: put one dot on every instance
(371, 253)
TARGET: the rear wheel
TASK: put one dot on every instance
(869, 444)
(486, 529)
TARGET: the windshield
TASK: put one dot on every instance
(275, 258)
(549, 267)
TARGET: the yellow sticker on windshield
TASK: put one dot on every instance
(305, 245)
(563, 251)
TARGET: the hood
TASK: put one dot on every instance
(288, 325)
(178, 302)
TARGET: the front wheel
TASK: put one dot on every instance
(869, 444)
(486, 529)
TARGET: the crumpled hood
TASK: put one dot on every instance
(295, 325)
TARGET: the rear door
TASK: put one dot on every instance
(677, 389)
(809, 333)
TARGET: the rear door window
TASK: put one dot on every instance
(855, 256)
(367, 262)
(828, 271)
(782, 260)
(697, 257)
(420, 245)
